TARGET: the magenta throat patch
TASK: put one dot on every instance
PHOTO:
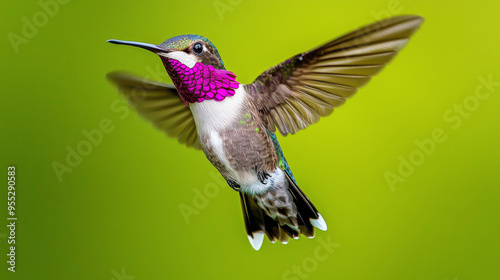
(201, 82)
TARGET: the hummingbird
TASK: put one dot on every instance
(235, 124)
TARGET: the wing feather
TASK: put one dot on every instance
(297, 92)
(160, 104)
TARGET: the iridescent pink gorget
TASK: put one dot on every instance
(201, 82)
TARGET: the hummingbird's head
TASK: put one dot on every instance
(190, 49)
(195, 67)
(187, 49)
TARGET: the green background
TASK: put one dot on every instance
(117, 215)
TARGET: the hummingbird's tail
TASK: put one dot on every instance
(280, 213)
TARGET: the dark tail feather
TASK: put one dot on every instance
(307, 213)
(254, 220)
(280, 214)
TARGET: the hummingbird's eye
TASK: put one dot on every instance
(198, 48)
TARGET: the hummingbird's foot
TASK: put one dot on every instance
(233, 185)
(262, 176)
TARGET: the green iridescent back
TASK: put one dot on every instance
(282, 163)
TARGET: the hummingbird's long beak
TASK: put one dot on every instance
(149, 47)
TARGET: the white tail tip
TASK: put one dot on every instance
(319, 223)
(256, 241)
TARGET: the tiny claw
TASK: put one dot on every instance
(262, 176)
(234, 185)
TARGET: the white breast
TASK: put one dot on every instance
(212, 118)
(217, 115)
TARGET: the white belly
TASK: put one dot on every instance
(212, 118)
(256, 187)
(248, 180)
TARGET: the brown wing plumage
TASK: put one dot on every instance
(160, 104)
(297, 92)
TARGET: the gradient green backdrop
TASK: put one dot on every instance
(117, 216)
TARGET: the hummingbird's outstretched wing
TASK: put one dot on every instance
(297, 92)
(160, 104)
